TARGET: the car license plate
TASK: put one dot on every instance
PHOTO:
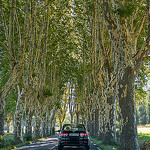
(74, 134)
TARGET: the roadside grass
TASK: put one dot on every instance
(103, 145)
(144, 141)
(10, 144)
(144, 136)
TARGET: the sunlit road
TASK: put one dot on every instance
(46, 144)
(51, 144)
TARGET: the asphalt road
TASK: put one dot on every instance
(51, 144)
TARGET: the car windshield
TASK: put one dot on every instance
(78, 127)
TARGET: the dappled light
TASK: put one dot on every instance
(74, 62)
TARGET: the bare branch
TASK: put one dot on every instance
(11, 35)
(140, 27)
(140, 56)
(19, 31)
(4, 45)
(5, 26)
(145, 49)
(25, 32)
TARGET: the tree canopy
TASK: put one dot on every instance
(90, 57)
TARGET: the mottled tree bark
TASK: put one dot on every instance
(72, 117)
(77, 115)
(2, 142)
(110, 134)
(18, 138)
(1, 120)
(83, 117)
(71, 103)
(102, 123)
(37, 124)
(77, 112)
(92, 133)
(128, 130)
(8, 124)
(44, 127)
(47, 123)
(28, 131)
(97, 122)
(89, 124)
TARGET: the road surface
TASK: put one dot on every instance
(51, 144)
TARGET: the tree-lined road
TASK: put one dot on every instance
(51, 144)
(74, 61)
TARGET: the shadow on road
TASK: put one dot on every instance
(51, 144)
(73, 148)
(46, 144)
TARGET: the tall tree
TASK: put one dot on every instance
(124, 37)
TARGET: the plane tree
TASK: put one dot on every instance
(91, 50)
(125, 33)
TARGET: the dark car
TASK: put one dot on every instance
(73, 135)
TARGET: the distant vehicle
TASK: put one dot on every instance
(73, 135)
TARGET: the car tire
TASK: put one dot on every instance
(87, 147)
(59, 147)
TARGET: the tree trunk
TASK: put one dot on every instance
(37, 124)
(28, 132)
(44, 127)
(92, 124)
(72, 117)
(78, 115)
(1, 120)
(18, 138)
(110, 134)
(96, 122)
(128, 131)
(53, 125)
(60, 125)
(83, 118)
(102, 123)
(47, 123)
(8, 125)
(89, 124)
(1, 124)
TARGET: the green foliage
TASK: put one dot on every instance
(125, 10)
(47, 93)
(58, 105)
(28, 138)
(106, 143)
(143, 136)
(11, 104)
(34, 75)
(1, 141)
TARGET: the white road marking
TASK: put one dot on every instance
(53, 147)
